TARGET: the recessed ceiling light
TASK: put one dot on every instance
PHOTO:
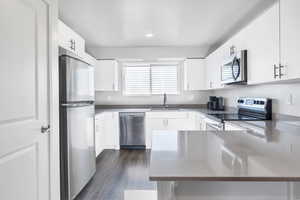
(149, 35)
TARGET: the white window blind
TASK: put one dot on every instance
(147, 80)
(137, 80)
(164, 79)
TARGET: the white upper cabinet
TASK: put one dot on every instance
(106, 75)
(271, 41)
(194, 74)
(290, 42)
(261, 40)
(213, 69)
(68, 39)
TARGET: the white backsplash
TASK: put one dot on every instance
(116, 98)
(280, 93)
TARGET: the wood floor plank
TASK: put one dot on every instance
(118, 171)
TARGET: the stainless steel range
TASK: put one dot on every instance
(249, 109)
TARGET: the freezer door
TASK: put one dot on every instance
(80, 143)
(76, 80)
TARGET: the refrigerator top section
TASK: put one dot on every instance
(76, 80)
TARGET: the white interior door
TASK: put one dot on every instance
(24, 150)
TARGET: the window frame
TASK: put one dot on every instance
(150, 65)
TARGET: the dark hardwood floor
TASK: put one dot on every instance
(118, 171)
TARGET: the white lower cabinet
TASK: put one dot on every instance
(171, 121)
(107, 126)
(106, 131)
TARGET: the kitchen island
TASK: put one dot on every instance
(227, 165)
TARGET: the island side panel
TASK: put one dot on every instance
(218, 190)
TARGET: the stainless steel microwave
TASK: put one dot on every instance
(234, 69)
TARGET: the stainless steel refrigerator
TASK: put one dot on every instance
(77, 146)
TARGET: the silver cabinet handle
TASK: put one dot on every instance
(275, 67)
(73, 43)
(45, 129)
(280, 71)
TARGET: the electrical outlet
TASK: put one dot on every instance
(290, 99)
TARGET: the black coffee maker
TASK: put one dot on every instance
(216, 103)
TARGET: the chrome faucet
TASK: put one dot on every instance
(165, 100)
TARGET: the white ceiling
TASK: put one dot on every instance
(124, 23)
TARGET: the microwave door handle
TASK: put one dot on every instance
(235, 60)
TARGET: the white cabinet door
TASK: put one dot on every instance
(106, 131)
(24, 60)
(111, 132)
(153, 124)
(99, 135)
(106, 75)
(173, 121)
(70, 40)
(261, 39)
(290, 42)
(213, 69)
(194, 74)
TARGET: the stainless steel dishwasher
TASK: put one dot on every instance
(132, 130)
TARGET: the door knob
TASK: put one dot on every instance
(45, 129)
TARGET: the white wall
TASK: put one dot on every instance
(149, 53)
(278, 92)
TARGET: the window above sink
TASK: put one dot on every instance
(150, 79)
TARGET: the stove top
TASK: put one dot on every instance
(249, 109)
(235, 117)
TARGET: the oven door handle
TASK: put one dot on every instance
(217, 126)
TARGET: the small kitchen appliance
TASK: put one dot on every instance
(215, 103)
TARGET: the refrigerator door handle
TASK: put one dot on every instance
(72, 105)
